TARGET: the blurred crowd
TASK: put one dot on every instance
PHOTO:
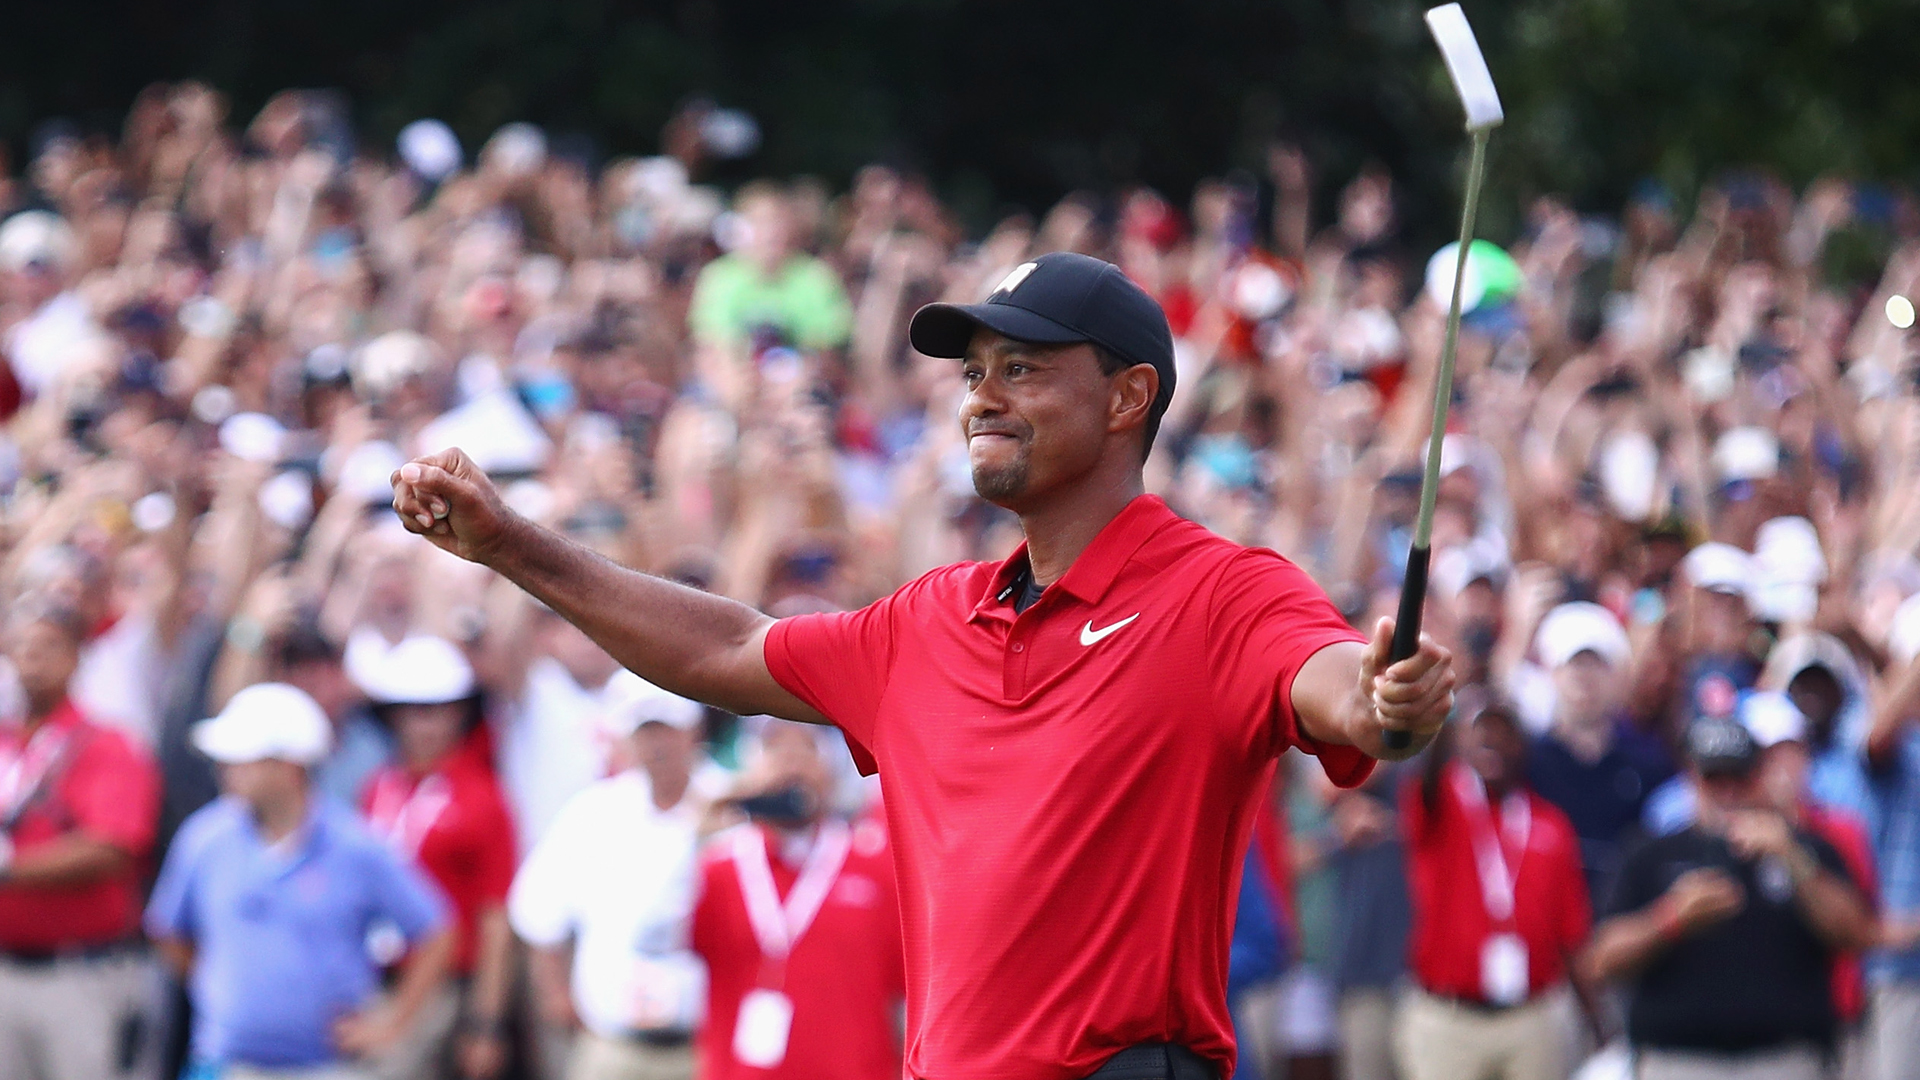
(432, 830)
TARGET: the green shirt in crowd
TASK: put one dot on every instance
(803, 300)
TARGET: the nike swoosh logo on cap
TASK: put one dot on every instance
(1088, 635)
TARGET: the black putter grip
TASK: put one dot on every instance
(1406, 627)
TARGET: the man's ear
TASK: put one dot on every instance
(1134, 391)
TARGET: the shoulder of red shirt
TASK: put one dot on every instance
(100, 739)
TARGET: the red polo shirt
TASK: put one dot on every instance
(843, 975)
(452, 823)
(1070, 790)
(1451, 924)
(75, 777)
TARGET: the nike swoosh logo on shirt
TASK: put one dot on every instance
(1088, 635)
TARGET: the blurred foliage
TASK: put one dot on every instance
(1012, 102)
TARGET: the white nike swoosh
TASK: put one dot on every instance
(1088, 635)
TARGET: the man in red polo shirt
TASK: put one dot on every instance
(1071, 741)
(441, 808)
(1499, 905)
(798, 909)
(79, 805)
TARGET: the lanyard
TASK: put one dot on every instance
(777, 926)
(25, 770)
(1499, 874)
(406, 817)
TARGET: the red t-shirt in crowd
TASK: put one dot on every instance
(843, 975)
(72, 776)
(454, 824)
(1070, 790)
(1451, 923)
(1848, 835)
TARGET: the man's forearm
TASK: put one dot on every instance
(1626, 943)
(487, 1002)
(74, 859)
(681, 639)
(1834, 909)
(422, 973)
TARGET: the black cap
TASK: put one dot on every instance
(1059, 299)
(1719, 747)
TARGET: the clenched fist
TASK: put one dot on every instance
(447, 499)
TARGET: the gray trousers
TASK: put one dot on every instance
(1894, 1031)
(79, 1018)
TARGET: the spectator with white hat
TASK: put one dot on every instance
(440, 807)
(1789, 569)
(1717, 631)
(1820, 675)
(36, 254)
(1590, 763)
(603, 899)
(266, 901)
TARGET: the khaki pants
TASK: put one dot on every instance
(1894, 1031)
(1798, 1062)
(598, 1058)
(423, 1052)
(1442, 1040)
(78, 1019)
(1366, 1035)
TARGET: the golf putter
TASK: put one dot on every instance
(1482, 103)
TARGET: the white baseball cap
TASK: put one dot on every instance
(1718, 567)
(1581, 626)
(1771, 717)
(35, 237)
(266, 722)
(633, 701)
(1746, 453)
(1788, 549)
(421, 670)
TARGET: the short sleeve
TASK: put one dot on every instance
(1267, 617)
(495, 856)
(838, 663)
(1637, 884)
(541, 902)
(170, 909)
(404, 895)
(113, 793)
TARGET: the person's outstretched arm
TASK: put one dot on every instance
(689, 642)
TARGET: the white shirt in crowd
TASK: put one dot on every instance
(41, 344)
(552, 746)
(617, 876)
(117, 683)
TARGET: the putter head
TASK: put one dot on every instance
(1471, 79)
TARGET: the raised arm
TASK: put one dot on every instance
(683, 640)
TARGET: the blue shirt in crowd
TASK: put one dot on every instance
(280, 933)
(1603, 799)
(1895, 828)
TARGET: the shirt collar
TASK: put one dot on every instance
(1094, 572)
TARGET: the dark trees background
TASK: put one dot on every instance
(1013, 102)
